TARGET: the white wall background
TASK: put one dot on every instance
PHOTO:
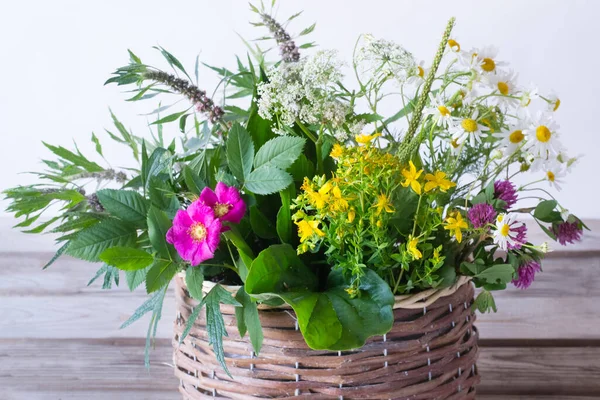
(56, 56)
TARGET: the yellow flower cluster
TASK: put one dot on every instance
(433, 181)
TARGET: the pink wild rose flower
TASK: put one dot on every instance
(225, 201)
(195, 233)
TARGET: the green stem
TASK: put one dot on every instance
(307, 132)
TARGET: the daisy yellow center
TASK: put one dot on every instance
(556, 105)
(550, 176)
(505, 230)
(454, 143)
(198, 232)
(488, 65)
(516, 137)
(469, 125)
(503, 88)
(454, 45)
(221, 209)
(444, 111)
(543, 134)
(421, 71)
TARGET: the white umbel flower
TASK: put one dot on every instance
(383, 59)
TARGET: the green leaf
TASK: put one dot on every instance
(160, 274)
(56, 256)
(279, 152)
(90, 242)
(261, 225)
(215, 325)
(174, 62)
(193, 181)
(136, 277)
(169, 118)
(158, 225)
(158, 162)
(284, 215)
(163, 197)
(485, 302)
(544, 209)
(97, 143)
(194, 280)
(76, 159)
(126, 258)
(495, 274)
(240, 152)
(267, 180)
(259, 128)
(308, 30)
(330, 319)
(127, 205)
(302, 168)
(248, 320)
(368, 118)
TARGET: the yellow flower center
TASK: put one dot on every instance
(550, 176)
(198, 232)
(503, 87)
(221, 209)
(488, 65)
(543, 134)
(500, 218)
(516, 137)
(505, 230)
(454, 143)
(444, 111)
(454, 45)
(469, 125)
(421, 71)
(556, 105)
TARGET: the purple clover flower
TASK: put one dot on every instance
(526, 273)
(568, 232)
(506, 191)
(481, 214)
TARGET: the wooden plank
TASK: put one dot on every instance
(39, 369)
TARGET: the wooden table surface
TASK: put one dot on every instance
(59, 339)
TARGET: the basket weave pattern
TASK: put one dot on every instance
(430, 353)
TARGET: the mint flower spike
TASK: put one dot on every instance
(287, 47)
(409, 145)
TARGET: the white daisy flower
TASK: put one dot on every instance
(553, 102)
(542, 136)
(509, 233)
(554, 175)
(455, 147)
(419, 74)
(469, 59)
(505, 86)
(468, 128)
(486, 59)
(528, 94)
(441, 113)
(454, 45)
(512, 138)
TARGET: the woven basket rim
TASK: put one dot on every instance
(417, 300)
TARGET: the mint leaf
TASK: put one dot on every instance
(240, 152)
(127, 205)
(279, 152)
(267, 180)
(126, 258)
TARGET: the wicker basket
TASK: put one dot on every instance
(430, 353)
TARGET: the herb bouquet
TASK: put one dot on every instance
(345, 243)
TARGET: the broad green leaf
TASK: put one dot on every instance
(136, 277)
(90, 242)
(163, 197)
(499, 273)
(259, 128)
(261, 225)
(485, 302)
(248, 320)
(193, 181)
(330, 319)
(127, 205)
(279, 152)
(194, 280)
(215, 325)
(368, 118)
(158, 225)
(240, 152)
(126, 258)
(267, 180)
(160, 274)
(545, 211)
(302, 168)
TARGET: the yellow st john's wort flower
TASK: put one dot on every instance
(366, 139)
(336, 151)
(411, 247)
(436, 256)
(351, 214)
(411, 177)
(306, 230)
(438, 180)
(455, 224)
(319, 198)
(339, 203)
(383, 203)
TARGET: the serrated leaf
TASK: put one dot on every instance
(136, 277)
(163, 197)
(280, 152)
(76, 159)
(267, 180)
(126, 258)
(160, 274)
(248, 320)
(90, 242)
(158, 225)
(240, 152)
(127, 205)
(57, 255)
(147, 306)
(158, 162)
(485, 302)
(261, 225)
(97, 143)
(169, 118)
(193, 181)
(194, 280)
